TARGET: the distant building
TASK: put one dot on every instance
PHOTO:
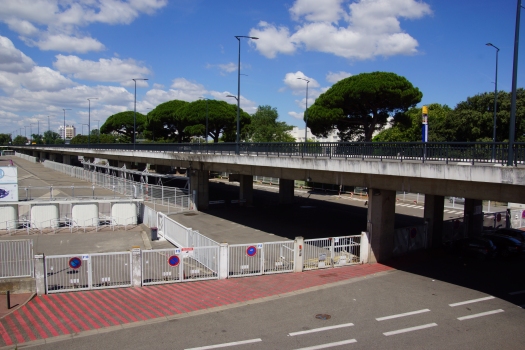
(71, 131)
(298, 134)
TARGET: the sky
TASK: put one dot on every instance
(57, 54)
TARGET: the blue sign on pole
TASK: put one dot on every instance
(173, 260)
(75, 263)
(251, 251)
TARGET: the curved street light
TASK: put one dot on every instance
(206, 117)
(238, 37)
(306, 111)
(495, 103)
(65, 109)
(89, 119)
(135, 112)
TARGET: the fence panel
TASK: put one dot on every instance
(200, 263)
(245, 260)
(67, 273)
(278, 257)
(16, 258)
(347, 250)
(161, 266)
(110, 270)
(172, 231)
(317, 253)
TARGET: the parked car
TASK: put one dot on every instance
(457, 200)
(512, 232)
(480, 248)
(506, 246)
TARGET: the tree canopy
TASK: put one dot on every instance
(165, 122)
(51, 137)
(264, 127)
(5, 139)
(359, 105)
(123, 124)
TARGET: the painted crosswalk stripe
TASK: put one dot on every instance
(402, 315)
(470, 301)
(321, 329)
(329, 345)
(480, 314)
(224, 345)
(411, 329)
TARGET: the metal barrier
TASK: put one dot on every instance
(179, 265)
(89, 271)
(245, 260)
(16, 258)
(278, 257)
(331, 252)
(26, 157)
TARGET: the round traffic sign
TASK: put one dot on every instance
(75, 263)
(251, 250)
(173, 260)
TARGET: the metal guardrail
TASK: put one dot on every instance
(471, 152)
(16, 259)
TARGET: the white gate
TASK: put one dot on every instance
(179, 265)
(245, 260)
(87, 271)
(278, 257)
(330, 252)
(16, 258)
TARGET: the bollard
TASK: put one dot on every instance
(8, 300)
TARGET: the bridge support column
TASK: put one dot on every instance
(66, 159)
(246, 190)
(199, 185)
(53, 157)
(433, 214)
(42, 156)
(381, 220)
(286, 191)
(473, 214)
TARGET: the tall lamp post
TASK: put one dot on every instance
(495, 103)
(206, 118)
(65, 109)
(31, 131)
(89, 119)
(48, 124)
(135, 112)
(512, 122)
(238, 37)
(306, 111)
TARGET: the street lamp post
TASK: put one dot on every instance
(206, 118)
(306, 111)
(135, 112)
(31, 131)
(65, 109)
(238, 37)
(495, 103)
(89, 119)
(512, 122)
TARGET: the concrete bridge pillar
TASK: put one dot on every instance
(53, 157)
(433, 214)
(286, 191)
(380, 223)
(199, 188)
(66, 159)
(42, 156)
(473, 214)
(246, 190)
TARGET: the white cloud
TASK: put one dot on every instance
(333, 78)
(330, 11)
(55, 24)
(296, 115)
(108, 70)
(370, 28)
(11, 59)
(295, 82)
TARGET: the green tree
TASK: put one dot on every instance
(123, 124)
(20, 140)
(408, 128)
(5, 139)
(222, 120)
(359, 105)
(51, 137)
(37, 139)
(166, 123)
(79, 139)
(264, 127)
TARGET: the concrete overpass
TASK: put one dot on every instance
(436, 178)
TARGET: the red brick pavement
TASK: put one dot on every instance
(70, 313)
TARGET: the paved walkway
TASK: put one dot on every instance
(53, 317)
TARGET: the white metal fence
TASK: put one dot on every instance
(16, 258)
(260, 258)
(26, 157)
(88, 271)
(330, 252)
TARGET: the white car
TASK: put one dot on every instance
(458, 200)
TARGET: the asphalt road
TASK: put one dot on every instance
(440, 303)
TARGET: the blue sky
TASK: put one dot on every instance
(55, 54)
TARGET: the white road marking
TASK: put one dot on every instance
(470, 301)
(405, 330)
(402, 315)
(227, 344)
(321, 329)
(329, 345)
(480, 314)
(518, 292)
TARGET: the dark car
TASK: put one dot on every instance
(512, 232)
(480, 248)
(506, 246)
